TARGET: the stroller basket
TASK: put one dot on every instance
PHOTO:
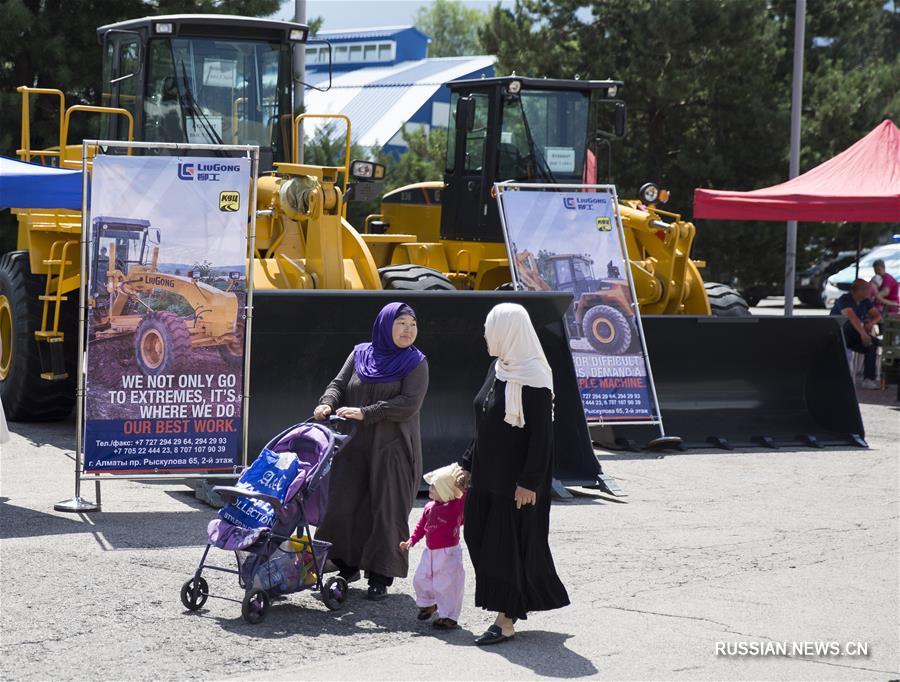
(286, 571)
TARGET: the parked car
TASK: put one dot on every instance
(810, 282)
(840, 282)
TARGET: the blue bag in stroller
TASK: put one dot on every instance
(266, 522)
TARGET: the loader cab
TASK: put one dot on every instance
(572, 273)
(202, 79)
(124, 239)
(522, 129)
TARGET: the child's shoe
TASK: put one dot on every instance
(426, 611)
(446, 624)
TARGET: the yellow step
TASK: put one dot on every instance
(52, 298)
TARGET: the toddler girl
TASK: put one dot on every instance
(440, 578)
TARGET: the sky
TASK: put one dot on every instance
(192, 226)
(342, 14)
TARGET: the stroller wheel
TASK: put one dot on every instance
(254, 606)
(194, 593)
(334, 592)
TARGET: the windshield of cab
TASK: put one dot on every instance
(543, 136)
(213, 91)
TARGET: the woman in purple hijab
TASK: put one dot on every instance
(375, 479)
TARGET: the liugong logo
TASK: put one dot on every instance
(208, 172)
(585, 203)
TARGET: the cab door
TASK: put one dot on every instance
(122, 85)
(464, 205)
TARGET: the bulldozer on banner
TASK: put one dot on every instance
(121, 301)
(602, 311)
(319, 280)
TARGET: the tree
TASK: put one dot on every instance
(53, 44)
(708, 90)
(452, 26)
(424, 160)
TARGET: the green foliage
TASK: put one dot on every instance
(53, 44)
(422, 162)
(173, 303)
(453, 28)
(708, 88)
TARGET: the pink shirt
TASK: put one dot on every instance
(440, 524)
(889, 283)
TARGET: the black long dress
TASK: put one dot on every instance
(514, 571)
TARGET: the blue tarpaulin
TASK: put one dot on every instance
(29, 185)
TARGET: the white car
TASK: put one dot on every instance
(839, 283)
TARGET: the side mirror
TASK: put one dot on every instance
(621, 117)
(298, 79)
(465, 113)
(155, 236)
(366, 170)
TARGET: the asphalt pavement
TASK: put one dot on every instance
(710, 554)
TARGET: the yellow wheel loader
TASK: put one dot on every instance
(320, 282)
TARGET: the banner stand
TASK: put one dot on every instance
(663, 441)
(78, 504)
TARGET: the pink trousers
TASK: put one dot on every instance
(440, 579)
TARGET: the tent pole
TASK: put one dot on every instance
(790, 252)
(858, 248)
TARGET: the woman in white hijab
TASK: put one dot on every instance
(509, 466)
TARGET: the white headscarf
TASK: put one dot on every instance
(520, 359)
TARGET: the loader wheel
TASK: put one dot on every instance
(607, 330)
(162, 343)
(414, 278)
(233, 351)
(25, 395)
(725, 301)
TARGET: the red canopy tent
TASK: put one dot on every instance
(861, 184)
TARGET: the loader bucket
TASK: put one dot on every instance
(300, 339)
(749, 381)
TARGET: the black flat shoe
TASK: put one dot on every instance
(445, 624)
(493, 635)
(376, 592)
(425, 612)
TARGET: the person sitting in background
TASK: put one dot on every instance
(887, 292)
(861, 316)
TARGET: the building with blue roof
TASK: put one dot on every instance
(383, 79)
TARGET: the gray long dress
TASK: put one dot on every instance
(375, 479)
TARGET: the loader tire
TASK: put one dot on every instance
(233, 352)
(414, 278)
(25, 395)
(725, 301)
(162, 343)
(607, 330)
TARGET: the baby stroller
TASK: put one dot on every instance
(283, 492)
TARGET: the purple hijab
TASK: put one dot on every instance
(382, 361)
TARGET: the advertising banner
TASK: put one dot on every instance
(166, 294)
(572, 241)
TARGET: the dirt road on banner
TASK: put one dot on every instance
(709, 550)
